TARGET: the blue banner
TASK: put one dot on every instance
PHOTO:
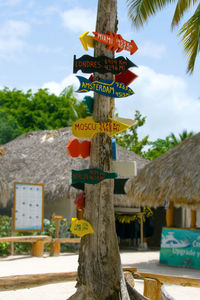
(180, 247)
(113, 89)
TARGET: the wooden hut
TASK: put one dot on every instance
(174, 176)
(41, 157)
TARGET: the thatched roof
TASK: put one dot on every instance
(174, 176)
(41, 157)
(4, 192)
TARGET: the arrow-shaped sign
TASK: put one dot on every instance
(124, 77)
(115, 42)
(102, 64)
(91, 176)
(119, 184)
(87, 128)
(87, 40)
(113, 89)
(76, 148)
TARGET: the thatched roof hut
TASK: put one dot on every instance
(174, 176)
(41, 157)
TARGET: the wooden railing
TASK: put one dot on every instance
(152, 282)
(38, 242)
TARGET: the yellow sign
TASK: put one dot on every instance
(87, 40)
(80, 227)
(87, 128)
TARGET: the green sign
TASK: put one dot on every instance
(91, 176)
(180, 248)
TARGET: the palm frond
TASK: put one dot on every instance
(140, 10)
(181, 7)
(190, 32)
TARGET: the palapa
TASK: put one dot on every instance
(41, 157)
(174, 176)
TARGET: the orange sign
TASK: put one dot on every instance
(57, 217)
(115, 42)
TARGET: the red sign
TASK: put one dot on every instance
(115, 42)
(80, 201)
(124, 77)
(76, 148)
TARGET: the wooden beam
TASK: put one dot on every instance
(26, 239)
(32, 280)
(170, 215)
(167, 279)
(193, 218)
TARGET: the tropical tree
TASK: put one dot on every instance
(141, 10)
(161, 146)
(129, 139)
(21, 112)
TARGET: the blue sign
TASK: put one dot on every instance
(113, 89)
(180, 247)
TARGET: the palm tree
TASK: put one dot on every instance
(141, 10)
(182, 136)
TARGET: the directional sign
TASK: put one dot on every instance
(80, 227)
(119, 184)
(57, 217)
(102, 64)
(124, 77)
(80, 201)
(91, 176)
(115, 42)
(125, 168)
(87, 128)
(87, 40)
(76, 148)
(108, 88)
(129, 122)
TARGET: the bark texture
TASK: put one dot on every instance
(99, 274)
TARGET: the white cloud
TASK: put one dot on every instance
(12, 38)
(79, 19)
(165, 100)
(58, 87)
(153, 50)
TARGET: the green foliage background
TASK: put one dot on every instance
(22, 112)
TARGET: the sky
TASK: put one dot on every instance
(38, 40)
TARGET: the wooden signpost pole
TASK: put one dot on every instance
(100, 274)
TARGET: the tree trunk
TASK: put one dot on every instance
(100, 275)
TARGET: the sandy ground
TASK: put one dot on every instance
(145, 261)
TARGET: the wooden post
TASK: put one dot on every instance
(170, 215)
(193, 218)
(55, 245)
(12, 247)
(141, 230)
(152, 289)
(38, 249)
(80, 214)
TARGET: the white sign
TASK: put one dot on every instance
(125, 168)
(28, 210)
